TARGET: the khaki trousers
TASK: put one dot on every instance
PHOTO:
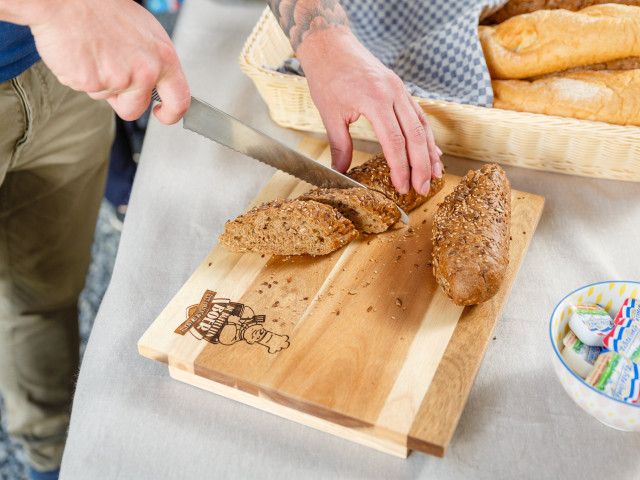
(54, 151)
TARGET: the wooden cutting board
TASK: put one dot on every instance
(360, 343)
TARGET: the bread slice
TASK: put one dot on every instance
(288, 227)
(375, 173)
(471, 236)
(368, 210)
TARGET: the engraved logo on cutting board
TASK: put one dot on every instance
(221, 321)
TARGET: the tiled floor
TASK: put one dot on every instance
(105, 246)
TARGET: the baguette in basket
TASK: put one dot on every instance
(518, 7)
(551, 40)
(580, 64)
(605, 96)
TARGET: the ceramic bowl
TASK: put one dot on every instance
(610, 295)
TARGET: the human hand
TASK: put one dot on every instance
(114, 50)
(346, 81)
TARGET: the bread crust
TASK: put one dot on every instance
(628, 63)
(518, 7)
(471, 236)
(375, 173)
(546, 41)
(288, 227)
(368, 210)
(604, 96)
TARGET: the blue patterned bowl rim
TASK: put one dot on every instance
(555, 348)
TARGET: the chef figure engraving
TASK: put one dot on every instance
(251, 330)
(218, 320)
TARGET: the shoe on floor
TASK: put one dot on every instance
(116, 217)
(50, 475)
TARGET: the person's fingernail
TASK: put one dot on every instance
(425, 187)
(405, 187)
(439, 151)
(438, 170)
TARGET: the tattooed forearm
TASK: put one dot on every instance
(300, 18)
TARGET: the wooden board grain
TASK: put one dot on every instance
(360, 343)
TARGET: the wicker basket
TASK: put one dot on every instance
(542, 142)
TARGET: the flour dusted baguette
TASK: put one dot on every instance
(550, 40)
(471, 236)
(628, 63)
(604, 96)
(518, 7)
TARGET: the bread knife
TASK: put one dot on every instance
(226, 130)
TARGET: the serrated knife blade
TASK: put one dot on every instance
(227, 130)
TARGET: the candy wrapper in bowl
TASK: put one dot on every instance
(610, 411)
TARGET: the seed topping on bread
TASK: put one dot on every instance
(289, 227)
(471, 236)
(368, 210)
(375, 173)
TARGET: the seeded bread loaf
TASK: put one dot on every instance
(471, 236)
(369, 211)
(375, 173)
(605, 96)
(288, 227)
(546, 41)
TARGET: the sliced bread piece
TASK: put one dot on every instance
(375, 173)
(368, 210)
(288, 227)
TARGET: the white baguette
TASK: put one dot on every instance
(604, 96)
(550, 40)
(518, 7)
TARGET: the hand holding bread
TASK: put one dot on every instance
(470, 228)
(323, 220)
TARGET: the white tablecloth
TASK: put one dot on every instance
(132, 421)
